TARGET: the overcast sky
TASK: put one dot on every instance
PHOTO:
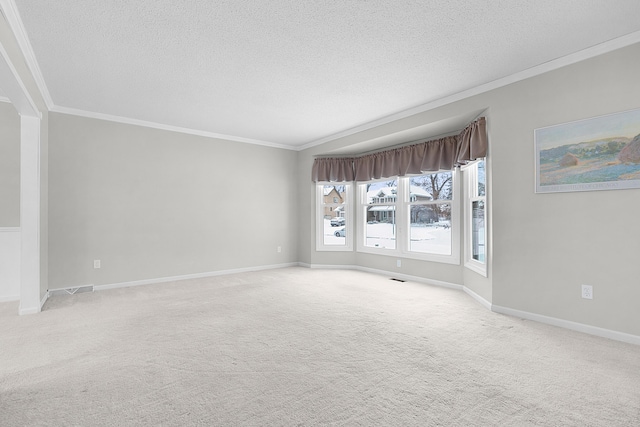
(613, 125)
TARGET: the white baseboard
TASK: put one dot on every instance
(28, 310)
(44, 299)
(34, 310)
(580, 327)
(388, 273)
(332, 267)
(192, 276)
(567, 324)
(486, 304)
(10, 298)
(410, 278)
(70, 291)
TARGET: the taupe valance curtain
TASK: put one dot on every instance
(333, 169)
(431, 156)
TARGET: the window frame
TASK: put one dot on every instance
(471, 195)
(361, 216)
(347, 203)
(402, 220)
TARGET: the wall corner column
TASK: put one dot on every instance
(30, 214)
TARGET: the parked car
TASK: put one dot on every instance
(443, 224)
(340, 233)
(337, 221)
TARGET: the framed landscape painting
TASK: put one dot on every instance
(600, 153)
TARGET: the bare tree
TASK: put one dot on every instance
(439, 186)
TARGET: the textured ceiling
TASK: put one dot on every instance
(293, 72)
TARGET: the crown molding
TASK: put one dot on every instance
(10, 11)
(14, 87)
(554, 64)
(162, 126)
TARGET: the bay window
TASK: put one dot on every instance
(407, 199)
(411, 217)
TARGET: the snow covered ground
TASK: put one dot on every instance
(427, 239)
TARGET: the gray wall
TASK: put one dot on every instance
(9, 166)
(547, 245)
(544, 246)
(44, 203)
(152, 204)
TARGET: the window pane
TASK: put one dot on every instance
(333, 215)
(436, 186)
(334, 231)
(482, 180)
(430, 229)
(333, 201)
(380, 230)
(333, 194)
(382, 192)
(478, 231)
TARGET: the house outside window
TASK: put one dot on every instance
(379, 214)
(333, 196)
(430, 208)
(333, 223)
(401, 217)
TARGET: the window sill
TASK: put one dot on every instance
(477, 267)
(333, 249)
(443, 259)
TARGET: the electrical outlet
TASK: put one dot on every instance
(279, 249)
(96, 263)
(587, 291)
(399, 263)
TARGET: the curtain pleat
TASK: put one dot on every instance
(333, 169)
(431, 156)
(473, 142)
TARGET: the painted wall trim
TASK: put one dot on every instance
(44, 299)
(30, 204)
(14, 88)
(10, 241)
(13, 18)
(486, 304)
(20, 33)
(582, 55)
(579, 327)
(391, 274)
(190, 276)
(161, 126)
(567, 324)
(28, 310)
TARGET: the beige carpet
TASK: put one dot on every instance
(300, 347)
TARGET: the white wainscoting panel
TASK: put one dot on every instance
(9, 264)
